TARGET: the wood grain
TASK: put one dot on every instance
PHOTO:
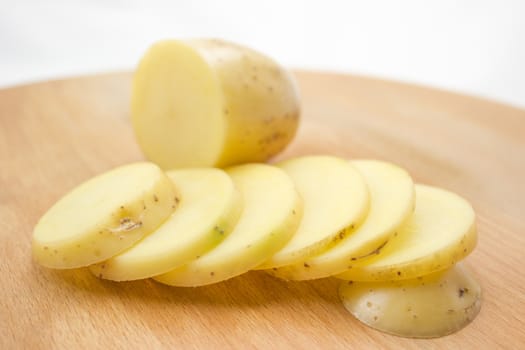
(54, 135)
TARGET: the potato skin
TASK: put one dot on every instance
(426, 307)
(261, 101)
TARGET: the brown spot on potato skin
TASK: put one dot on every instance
(376, 251)
(462, 291)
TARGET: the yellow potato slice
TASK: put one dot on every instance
(335, 200)
(272, 211)
(103, 216)
(391, 203)
(431, 306)
(211, 103)
(209, 209)
(441, 232)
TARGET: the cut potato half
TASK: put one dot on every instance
(335, 200)
(272, 211)
(391, 203)
(431, 306)
(441, 232)
(103, 216)
(211, 103)
(209, 208)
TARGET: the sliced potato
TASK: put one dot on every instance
(211, 103)
(391, 203)
(431, 306)
(103, 216)
(272, 211)
(335, 200)
(209, 208)
(441, 232)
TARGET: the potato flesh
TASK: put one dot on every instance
(335, 200)
(391, 203)
(272, 211)
(176, 107)
(211, 103)
(103, 216)
(431, 306)
(440, 232)
(209, 209)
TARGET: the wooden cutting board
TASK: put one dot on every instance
(54, 135)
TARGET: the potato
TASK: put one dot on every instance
(209, 209)
(272, 211)
(211, 103)
(431, 306)
(103, 216)
(335, 200)
(391, 203)
(441, 232)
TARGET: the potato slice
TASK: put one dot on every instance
(209, 209)
(431, 306)
(211, 103)
(391, 203)
(272, 211)
(335, 200)
(103, 216)
(441, 232)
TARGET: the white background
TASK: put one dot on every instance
(475, 47)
